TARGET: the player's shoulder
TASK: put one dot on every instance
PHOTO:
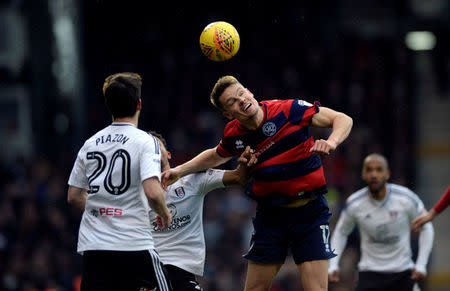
(187, 185)
(356, 198)
(402, 192)
(275, 104)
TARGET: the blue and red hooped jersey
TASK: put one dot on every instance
(285, 169)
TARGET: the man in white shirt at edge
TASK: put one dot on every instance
(383, 213)
(181, 246)
(121, 168)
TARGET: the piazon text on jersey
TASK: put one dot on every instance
(118, 137)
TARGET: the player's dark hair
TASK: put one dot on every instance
(122, 92)
(159, 136)
(221, 85)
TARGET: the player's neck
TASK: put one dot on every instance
(133, 119)
(379, 195)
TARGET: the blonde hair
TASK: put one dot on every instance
(221, 85)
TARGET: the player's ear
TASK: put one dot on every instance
(169, 155)
(139, 104)
(227, 115)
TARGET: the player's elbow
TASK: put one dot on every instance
(70, 199)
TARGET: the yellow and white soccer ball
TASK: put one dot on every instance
(219, 41)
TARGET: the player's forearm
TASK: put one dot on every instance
(235, 177)
(426, 238)
(342, 125)
(158, 204)
(338, 243)
(205, 160)
(77, 197)
(155, 196)
(443, 202)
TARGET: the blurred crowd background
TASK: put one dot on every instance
(384, 63)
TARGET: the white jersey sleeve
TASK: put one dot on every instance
(78, 176)
(344, 227)
(212, 179)
(150, 158)
(426, 236)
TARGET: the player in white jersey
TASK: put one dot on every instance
(181, 246)
(383, 213)
(115, 181)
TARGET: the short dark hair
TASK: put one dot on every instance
(122, 92)
(159, 136)
(221, 85)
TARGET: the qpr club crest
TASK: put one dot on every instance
(269, 128)
(180, 192)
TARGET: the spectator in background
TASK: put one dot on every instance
(382, 212)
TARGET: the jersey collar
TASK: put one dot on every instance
(115, 123)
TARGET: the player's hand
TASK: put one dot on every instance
(323, 147)
(163, 222)
(169, 177)
(417, 276)
(248, 158)
(416, 224)
(333, 277)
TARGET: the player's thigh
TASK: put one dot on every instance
(97, 271)
(314, 275)
(260, 275)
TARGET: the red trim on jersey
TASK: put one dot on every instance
(443, 202)
(290, 187)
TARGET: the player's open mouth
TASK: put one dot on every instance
(247, 106)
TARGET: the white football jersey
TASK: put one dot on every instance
(112, 164)
(384, 228)
(182, 244)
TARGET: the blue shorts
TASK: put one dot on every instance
(304, 230)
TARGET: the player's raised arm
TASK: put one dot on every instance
(205, 160)
(329, 118)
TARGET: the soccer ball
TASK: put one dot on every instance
(219, 41)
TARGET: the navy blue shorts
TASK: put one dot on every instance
(304, 230)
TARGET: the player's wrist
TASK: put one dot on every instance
(421, 269)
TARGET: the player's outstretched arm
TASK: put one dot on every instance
(77, 197)
(426, 238)
(155, 195)
(205, 160)
(241, 175)
(329, 118)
